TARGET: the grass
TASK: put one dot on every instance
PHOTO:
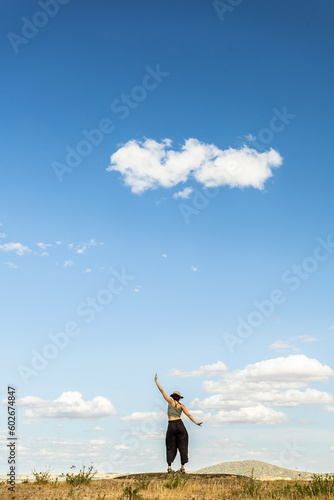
(176, 487)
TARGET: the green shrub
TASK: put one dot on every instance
(130, 493)
(43, 477)
(176, 480)
(82, 477)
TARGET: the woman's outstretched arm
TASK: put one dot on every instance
(167, 398)
(190, 416)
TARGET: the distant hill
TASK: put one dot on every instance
(262, 470)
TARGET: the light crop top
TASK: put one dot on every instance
(174, 412)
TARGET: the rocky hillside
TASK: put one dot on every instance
(262, 470)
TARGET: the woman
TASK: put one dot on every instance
(177, 435)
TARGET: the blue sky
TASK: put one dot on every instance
(204, 178)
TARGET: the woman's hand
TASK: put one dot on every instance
(200, 423)
(156, 378)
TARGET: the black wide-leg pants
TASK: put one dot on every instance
(176, 439)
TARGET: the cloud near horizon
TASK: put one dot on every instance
(69, 405)
(149, 164)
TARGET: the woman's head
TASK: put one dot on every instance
(176, 396)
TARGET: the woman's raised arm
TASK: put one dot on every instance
(167, 398)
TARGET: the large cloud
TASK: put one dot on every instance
(249, 395)
(149, 164)
(68, 405)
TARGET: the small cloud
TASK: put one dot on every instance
(331, 327)
(194, 268)
(137, 288)
(69, 405)
(18, 248)
(58, 242)
(60, 425)
(70, 245)
(43, 246)
(250, 137)
(11, 265)
(206, 370)
(45, 254)
(145, 416)
(282, 345)
(3, 235)
(164, 256)
(183, 194)
(121, 447)
(98, 429)
(306, 338)
(88, 270)
(33, 421)
(81, 250)
(68, 263)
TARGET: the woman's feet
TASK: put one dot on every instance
(182, 470)
(170, 470)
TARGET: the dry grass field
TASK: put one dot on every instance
(174, 487)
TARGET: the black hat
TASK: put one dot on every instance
(176, 394)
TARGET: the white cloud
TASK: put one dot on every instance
(58, 242)
(273, 382)
(306, 338)
(3, 235)
(208, 370)
(88, 270)
(137, 289)
(282, 345)
(293, 371)
(68, 263)
(11, 265)
(97, 442)
(276, 397)
(250, 137)
(69, 405)
(145, 416)
(18, 248)
(164, 256)
(82, 247)
(331, 327)
(194, 268)
(43, 246)
(149, 165)
(98, 429)
(183, 194)
(259, 414)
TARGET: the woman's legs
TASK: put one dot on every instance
(182, 442)
(171, 446)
